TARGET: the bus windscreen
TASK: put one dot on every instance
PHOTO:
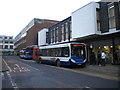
(78, 50)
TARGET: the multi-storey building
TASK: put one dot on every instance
(97, 24)
(29, 35)
(6, 45)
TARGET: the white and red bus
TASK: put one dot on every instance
(61, 54)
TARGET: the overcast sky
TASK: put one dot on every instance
(16, 14)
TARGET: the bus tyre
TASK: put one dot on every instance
(40, 61)
(58, 63)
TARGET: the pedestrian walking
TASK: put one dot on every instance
(99, 58)
(92, 59)
(103, 57)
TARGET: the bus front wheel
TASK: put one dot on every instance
(58, 63)
(39, 61)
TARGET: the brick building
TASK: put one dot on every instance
(28, 36)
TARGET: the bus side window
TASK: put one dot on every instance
(40, 52)
(65, 52)
(58, 52)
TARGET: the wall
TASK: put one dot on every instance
(84, 21)
(42, 37)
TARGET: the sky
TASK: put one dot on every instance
(16, 14)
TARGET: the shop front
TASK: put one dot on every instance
(109, 46)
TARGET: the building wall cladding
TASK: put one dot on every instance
(32, 33)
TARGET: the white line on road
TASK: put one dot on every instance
(14, 85)
(30, 66)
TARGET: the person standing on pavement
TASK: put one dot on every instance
(103, 57)
(115, 60)
(92, 59)
(99, 58)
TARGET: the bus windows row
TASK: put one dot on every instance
(54, 52)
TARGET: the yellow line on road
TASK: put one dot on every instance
(7, 66)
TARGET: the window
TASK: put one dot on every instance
(10, 37)
(66, 31)
(6, 46)
(37, 52)
(47, 37)
(98, 19)
(70, 30)
(111, 12)
(11, 46)
(57, 32)
(5, 37)
(6, 41)
(65, 52)
(51, 36)
(11, 41)
(1, 46)
(62, 32)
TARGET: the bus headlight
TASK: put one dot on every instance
(72, 60)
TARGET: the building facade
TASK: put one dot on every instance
(29, 35)
(6, 45)
(97, 24)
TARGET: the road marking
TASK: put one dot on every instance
(14, 85)
(7, 65)
(21, 69)
(30, 66)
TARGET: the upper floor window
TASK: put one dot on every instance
(70, 29)
(11, 41)
(10, 37)
(11, 47)
(98, 19)
(111, 13)
(5, 37)
(6, 46)
(66, 31)
(62, 32)
(47, 37)
(6, 41)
